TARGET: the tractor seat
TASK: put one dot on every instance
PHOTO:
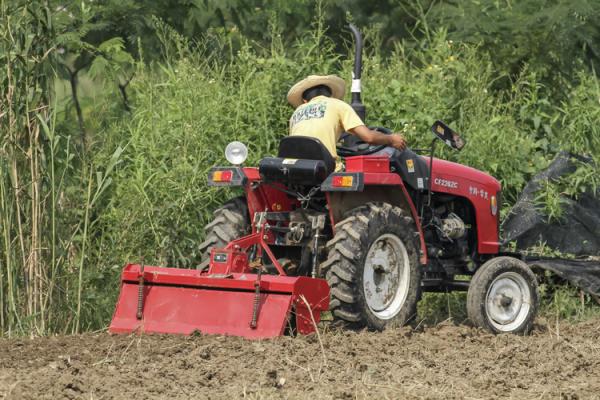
(306, 148)
(301, 160)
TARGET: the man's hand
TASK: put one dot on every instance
(370, 136)
(398, 141)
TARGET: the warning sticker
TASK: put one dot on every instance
(220, 257)
(410, 164)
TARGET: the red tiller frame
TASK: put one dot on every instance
(220, 301)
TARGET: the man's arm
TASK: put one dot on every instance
(370, 136)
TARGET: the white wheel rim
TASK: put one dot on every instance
(386, 276)
(508, 301)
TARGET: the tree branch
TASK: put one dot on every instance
(73, 81)
(123, 90)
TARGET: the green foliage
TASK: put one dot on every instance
(79, 35)
(549, 35)
(541, 249)
(186, 114)
(586, 179)
(112, 60)
(48, 196)
(28, 61)
(551, 201)
(560, 300)
(580, 117)
(439, 307)
(553, 195)
(444, 80)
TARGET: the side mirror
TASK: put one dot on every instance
(447, 135)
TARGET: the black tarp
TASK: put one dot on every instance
(585, 274)
(577, 233)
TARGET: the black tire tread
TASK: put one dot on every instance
(230, 222)
(346, 252)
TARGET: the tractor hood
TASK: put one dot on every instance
(455, 178)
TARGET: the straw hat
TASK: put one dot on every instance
(335, 83)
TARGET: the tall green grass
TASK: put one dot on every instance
(48, 191)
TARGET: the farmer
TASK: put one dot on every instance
(320, 113)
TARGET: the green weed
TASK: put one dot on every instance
(438, 307)
(561, 300)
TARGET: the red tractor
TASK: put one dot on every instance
(363, 243)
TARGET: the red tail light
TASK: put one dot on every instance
(222, 176)
(342, 181)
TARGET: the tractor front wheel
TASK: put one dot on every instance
(503, 296)
(231, 221)
(373, 268)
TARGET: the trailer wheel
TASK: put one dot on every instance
(231, 221)
(373, 268)
(503, 296)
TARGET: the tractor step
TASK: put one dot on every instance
(184, 301)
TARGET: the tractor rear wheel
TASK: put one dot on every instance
(503, 296)
(231, 221)
(373, 268)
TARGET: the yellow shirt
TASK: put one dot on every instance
(324, 118)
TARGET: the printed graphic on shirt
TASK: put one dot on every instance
(314, 110)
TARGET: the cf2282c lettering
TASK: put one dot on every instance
(446, 183)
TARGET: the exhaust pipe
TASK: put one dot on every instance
(356, 103)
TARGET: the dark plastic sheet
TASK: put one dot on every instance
(578, 232)
(582, 273)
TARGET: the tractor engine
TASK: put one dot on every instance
(449, 235)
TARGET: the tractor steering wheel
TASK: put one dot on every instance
(361, 148)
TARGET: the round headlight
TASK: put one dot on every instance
(236, 153)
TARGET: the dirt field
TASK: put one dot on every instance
(557, 362)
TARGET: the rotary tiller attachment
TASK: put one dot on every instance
(229, 299)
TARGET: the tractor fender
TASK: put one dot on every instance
(378, 187)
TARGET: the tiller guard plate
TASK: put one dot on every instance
(183, 301)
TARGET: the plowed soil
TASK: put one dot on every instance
(559, 361)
